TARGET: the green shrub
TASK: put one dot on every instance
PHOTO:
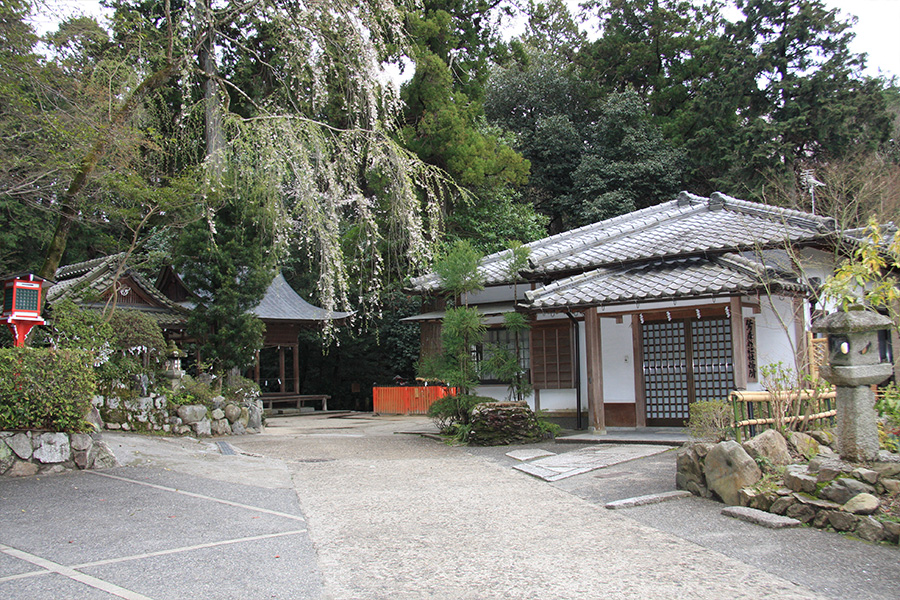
(125, 345)
(43, 388)
(193, 391)
(240, 389)
(549, 429)
(449, 411)
(711, 420)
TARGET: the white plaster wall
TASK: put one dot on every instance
(618, 360)
(497, 392)
(775, 337)
(550, 399)
(560, 400)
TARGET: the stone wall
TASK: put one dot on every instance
(153, 413)
(802, 479)
(24, 453)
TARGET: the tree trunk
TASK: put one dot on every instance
(69, 212)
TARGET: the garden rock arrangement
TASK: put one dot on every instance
(25, 453)
(502, 423)
(155, 413)
(798, 477)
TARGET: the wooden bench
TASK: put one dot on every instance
(293, 400)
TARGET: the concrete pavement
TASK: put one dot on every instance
(344, 508)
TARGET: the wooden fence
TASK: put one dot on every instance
(756, 411)
(407, 400)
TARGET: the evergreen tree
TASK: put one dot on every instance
(228, 261)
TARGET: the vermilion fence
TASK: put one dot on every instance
(407, 400)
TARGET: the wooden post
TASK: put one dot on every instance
(640, 394)
(281, 382)
(295, 349)
(738, 344)
(594, 359)
(256, 369)
(801, 340)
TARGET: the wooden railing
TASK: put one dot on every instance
(756, 411)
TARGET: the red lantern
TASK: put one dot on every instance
(22, 304)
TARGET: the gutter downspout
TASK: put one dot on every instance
(578, 423)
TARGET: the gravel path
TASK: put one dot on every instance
(394, 516)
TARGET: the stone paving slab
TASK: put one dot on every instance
(585, 460)
(529, 454)
(647, 499)
(760, 517)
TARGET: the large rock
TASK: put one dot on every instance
(728, 468)
(802, 512)
(891, 486)
(803, 444)
(754, 499)
(82, 458)
(799, 480)
(52, 448)
(825, 438)
(94, 419)
(782, 504)
(862, 504)
(221, 427)
(217, 414)
(81, 441)
(502, 423)
(7, 457)
(21, 445)
(202, 428)
(827, 468)
(842, 521)
(140, 405)
(770, 445)
(891, 531)
(22, 469)
(191, 413)
(232, 412)
(254, 416)
(867, 475)
(841, 490)
(101, 456)
(870, 529)
(689, 468)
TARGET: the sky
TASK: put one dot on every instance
(877, 29)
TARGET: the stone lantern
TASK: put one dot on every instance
(173, 363)
(859, 356)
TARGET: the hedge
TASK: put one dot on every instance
(43, 388)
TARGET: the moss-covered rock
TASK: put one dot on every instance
(502, 423)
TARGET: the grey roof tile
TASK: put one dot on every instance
(688, 225)
(667, 279)
(282, 303)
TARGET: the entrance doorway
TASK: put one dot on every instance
(685, 360)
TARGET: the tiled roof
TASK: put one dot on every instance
(86, 282)
(282, 303)
(668, 279)
(687, 226)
